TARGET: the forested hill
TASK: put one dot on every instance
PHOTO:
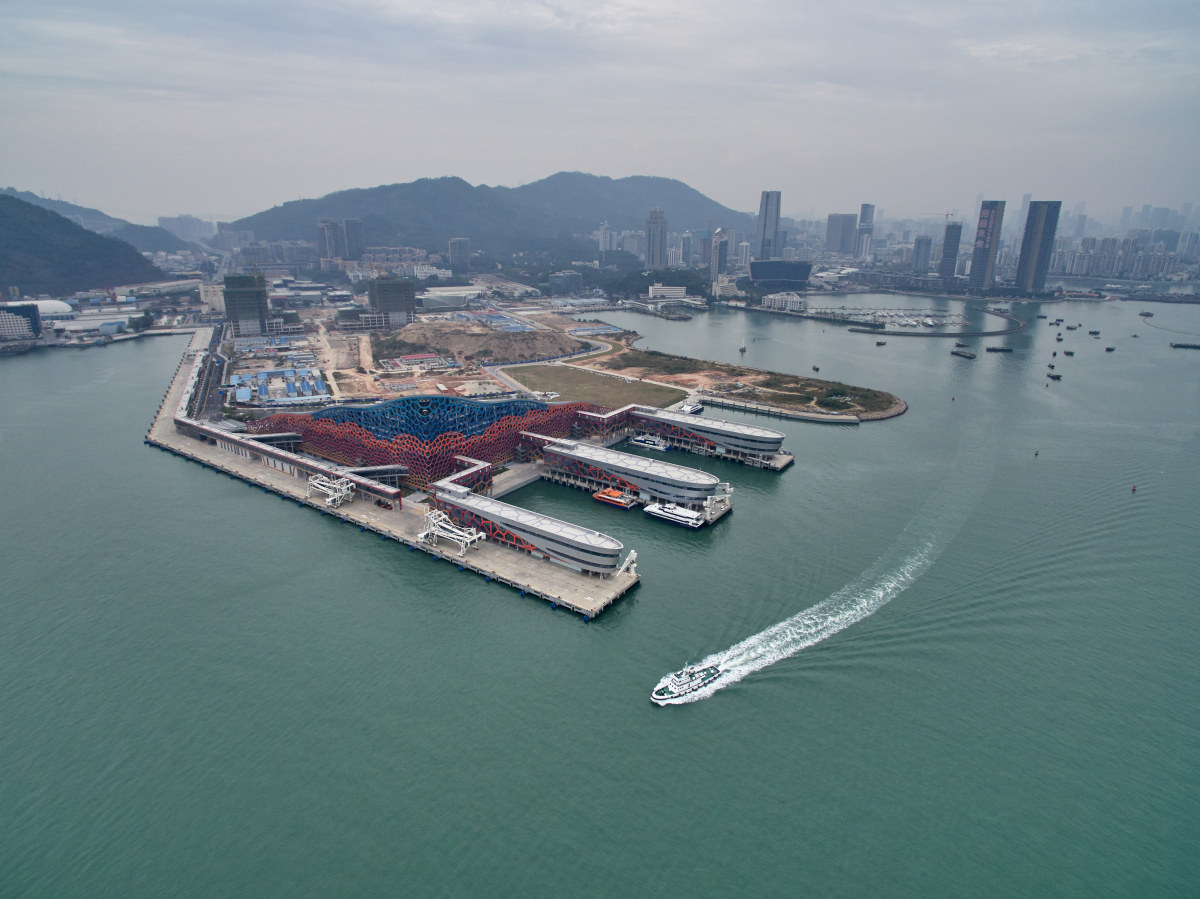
(146, 238)
(42, 252)
(428, 212)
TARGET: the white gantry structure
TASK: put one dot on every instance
(335, 490)
(439, 526)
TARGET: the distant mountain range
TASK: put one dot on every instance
(428, 212)
(557, 212)
(144, 238)
(43, 252)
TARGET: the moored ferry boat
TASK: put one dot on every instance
(615, 497)
(679, 684)
(649, 441)
(692, 408)
(676, 514)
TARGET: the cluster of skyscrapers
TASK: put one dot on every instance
(1020, 260)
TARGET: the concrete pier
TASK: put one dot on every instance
(560, 586)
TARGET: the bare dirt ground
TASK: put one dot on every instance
(739, 382)
(469, 341)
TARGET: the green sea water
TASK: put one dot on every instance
(966, 651)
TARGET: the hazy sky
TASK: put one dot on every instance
(144, 108)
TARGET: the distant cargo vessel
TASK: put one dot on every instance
(679, 684)
(1185, 346)
(999, 349)
(963, 353)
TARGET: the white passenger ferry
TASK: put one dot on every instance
(676, 514)
(649, 441)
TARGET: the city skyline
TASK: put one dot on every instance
(1097, 109)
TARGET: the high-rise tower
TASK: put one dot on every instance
(766, 236)
(393, 297)
(246, 304)
(460, 255)
(866, 230)
(656, 239)
(950, 243)
(352, 238)
(331, 239)
(718, 254)
(841, 230)
(987, 242)
(1037, 245)
(922, 247)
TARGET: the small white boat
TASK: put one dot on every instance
(691, 408)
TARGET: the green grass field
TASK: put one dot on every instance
(577, 385)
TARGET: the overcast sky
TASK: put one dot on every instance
(144, 108)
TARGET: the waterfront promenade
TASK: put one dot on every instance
(558, 585)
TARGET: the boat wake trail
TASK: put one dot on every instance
(917, 547)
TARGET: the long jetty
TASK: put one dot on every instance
(587, 595)
(825, 418)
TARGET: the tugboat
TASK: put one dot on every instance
(675, 514)
(615, 497)
(1110, 349)
(649, 441)
(742, 348)
(816, 368)
(1068, 352)
(675, 686)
